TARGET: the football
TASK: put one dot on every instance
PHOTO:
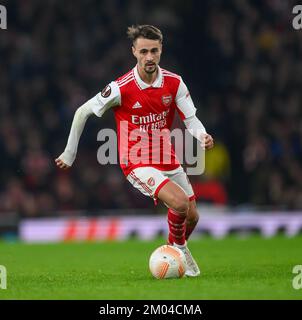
(167, 262)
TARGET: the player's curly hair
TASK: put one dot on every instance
(144, 31)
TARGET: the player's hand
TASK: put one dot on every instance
(61, 164)
(208, 142)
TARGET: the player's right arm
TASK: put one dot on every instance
(109, 97)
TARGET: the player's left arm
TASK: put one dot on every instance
(187, 112)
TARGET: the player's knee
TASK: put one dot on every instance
(181, 203)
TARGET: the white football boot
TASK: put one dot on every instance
(192, 269)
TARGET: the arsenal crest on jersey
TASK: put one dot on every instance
(166, 99)
(151, 182)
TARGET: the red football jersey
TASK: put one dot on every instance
(144, 115)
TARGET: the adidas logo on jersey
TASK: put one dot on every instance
(136, 105)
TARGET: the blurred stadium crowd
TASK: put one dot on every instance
(240, 59)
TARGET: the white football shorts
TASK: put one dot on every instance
(149, 180)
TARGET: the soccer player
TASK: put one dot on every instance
(145, 100)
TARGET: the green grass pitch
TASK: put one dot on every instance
(232, 268)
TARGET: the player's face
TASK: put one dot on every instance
(147, 53)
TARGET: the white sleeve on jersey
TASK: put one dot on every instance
(78, 124)
(195, 127)
(184, 101)
(186, 106)
(109, 97)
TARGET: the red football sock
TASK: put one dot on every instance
(177, 227)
